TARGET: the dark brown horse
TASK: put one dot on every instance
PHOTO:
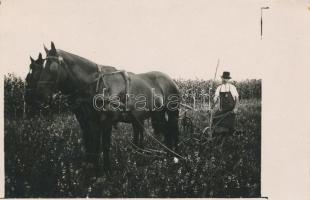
(136, 97)
(32, 78)
(81, 80)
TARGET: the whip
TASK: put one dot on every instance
(210, 96)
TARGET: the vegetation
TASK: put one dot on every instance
(44, 154)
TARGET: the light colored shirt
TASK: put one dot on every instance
(226, 88)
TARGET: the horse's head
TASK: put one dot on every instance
(32, 78)
(51, 76)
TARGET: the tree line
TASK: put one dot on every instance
(198, 89)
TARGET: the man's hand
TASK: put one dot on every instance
(235, 110)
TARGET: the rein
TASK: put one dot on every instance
(97, 80)
(36, 64)
(61, 63)
(122, 72)
(101, 79)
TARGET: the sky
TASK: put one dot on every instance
(181, 38)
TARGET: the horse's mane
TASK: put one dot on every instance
(75, 59)
(86, 64)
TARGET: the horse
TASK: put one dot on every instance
(35, 69)
(77, 78)
(135, 97)
(32, 78)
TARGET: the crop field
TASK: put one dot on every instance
(44, 157)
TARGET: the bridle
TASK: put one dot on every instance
(55, 83)
(31, 72)
(61, 63)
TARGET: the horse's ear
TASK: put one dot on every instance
(31, 59)
(46, 50)
(40, 57)
(40, 60)
(53, 49)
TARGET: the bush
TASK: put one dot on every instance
(15, 106)
(43, 158)
(13, 96)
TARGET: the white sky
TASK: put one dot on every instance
(179, 37)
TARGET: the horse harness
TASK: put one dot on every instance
(98, 80)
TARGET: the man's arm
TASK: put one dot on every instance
(236, 104)
(236, 98)
(216, 97)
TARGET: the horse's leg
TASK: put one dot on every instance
(141, 133)
(106, 143)
(168, 127)
(138, 132)
(92, 145)
(87, 163)
(91, 133)
(192, 127)
(183, 125)
(155, 118)
(80, 116)
(173, 128)
(135, 133)
(165, 129)
(158, 122)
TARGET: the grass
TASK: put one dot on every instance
(43, 158)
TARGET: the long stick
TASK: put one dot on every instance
(210, 89)
(24, 101)
(217, 66)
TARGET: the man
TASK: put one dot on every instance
(228, 98)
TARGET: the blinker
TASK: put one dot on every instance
(60, 59)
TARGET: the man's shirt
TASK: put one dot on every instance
(226, 88)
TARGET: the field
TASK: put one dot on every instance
(43, 158)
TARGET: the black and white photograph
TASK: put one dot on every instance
(155, 99)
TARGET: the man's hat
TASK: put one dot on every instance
(226, 75)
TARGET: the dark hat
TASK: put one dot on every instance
(226, 75)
